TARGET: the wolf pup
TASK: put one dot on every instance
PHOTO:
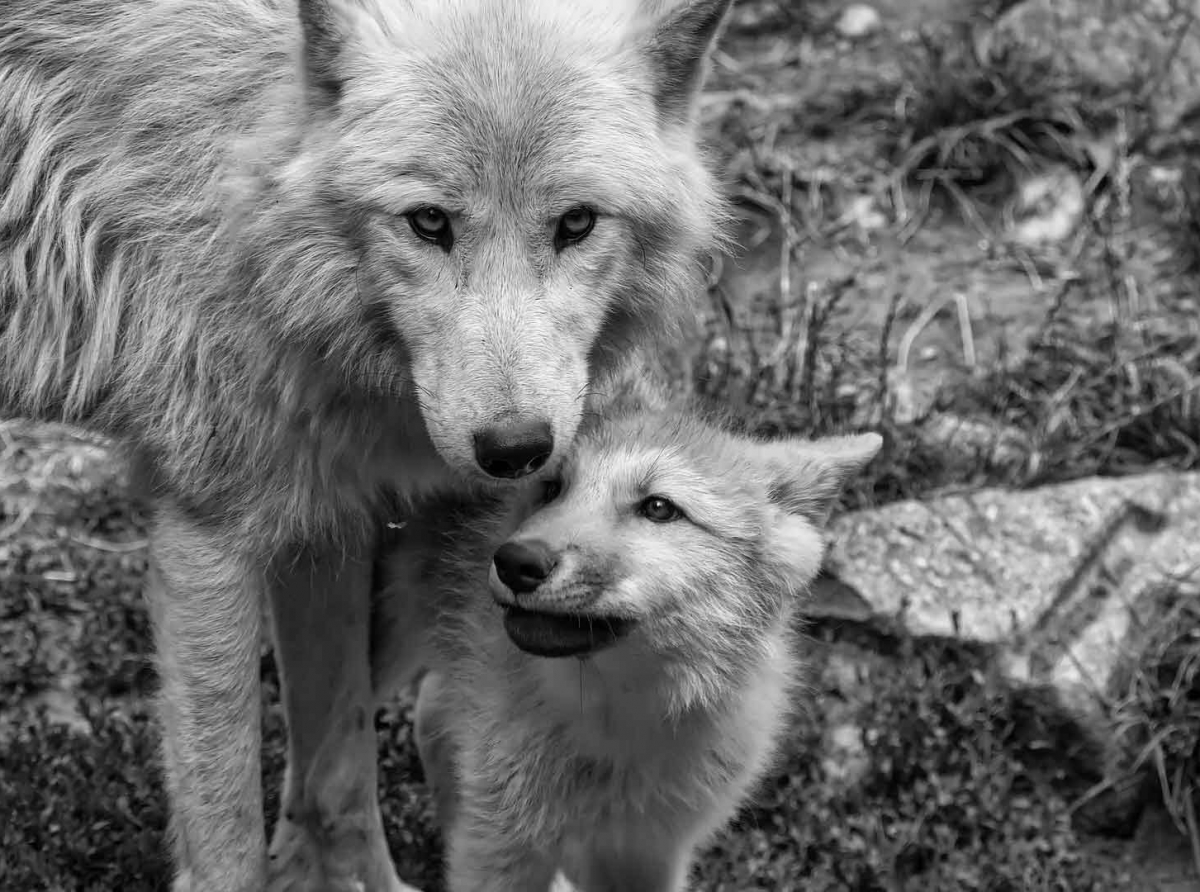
(309, 259)
(668, 561)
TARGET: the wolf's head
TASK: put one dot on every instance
(680, 540)
(521, 185)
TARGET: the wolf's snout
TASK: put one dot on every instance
(515, 449)
(523, 566)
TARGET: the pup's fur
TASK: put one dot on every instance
(205, 252)
(618, 764)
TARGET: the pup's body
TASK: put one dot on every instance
(615, 765)
(308, 258)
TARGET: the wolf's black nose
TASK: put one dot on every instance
(523, 566)
(514, 449)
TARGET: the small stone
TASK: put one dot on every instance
(846, 759)
(999, 445)
(843, 673)
(1048, 208)
(62, 708)
(1165, 176)
(863, 211)
(858, 20)
(907, 404)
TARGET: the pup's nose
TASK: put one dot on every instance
(514, 449)
(523, 566)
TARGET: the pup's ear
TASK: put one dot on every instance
(806, 476)
(677, 47)
(804, 479)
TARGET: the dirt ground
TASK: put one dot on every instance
(822, 113)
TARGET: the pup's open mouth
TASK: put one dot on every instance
(562, 634)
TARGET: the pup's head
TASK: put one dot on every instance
(526, 192)
(670, 537)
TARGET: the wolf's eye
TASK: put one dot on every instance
(659, 510)
(432, 224)
(574, 226)
(550, 491)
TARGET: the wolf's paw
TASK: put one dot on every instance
(321, 883)
(355, 863)
(294, 878)
(318, 882)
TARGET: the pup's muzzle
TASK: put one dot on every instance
(524, 565)
(537, 627)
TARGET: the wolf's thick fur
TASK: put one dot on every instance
(209, 249)
(618, 764)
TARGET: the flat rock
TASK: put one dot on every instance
(990, 566)
(1061, 582)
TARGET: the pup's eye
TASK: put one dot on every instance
(550, 491)
(659, 510)
(432, 224)
(574, 226)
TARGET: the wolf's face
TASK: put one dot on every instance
(527, 195)
(681, 538)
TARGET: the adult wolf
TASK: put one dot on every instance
(308, 259)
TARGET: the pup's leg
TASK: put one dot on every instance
(330, 833)
(482, 857)
(646, 863)
(206, 605)
(436, 747)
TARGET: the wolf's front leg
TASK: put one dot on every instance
(436, 747)
(205, 603)
(329, 837)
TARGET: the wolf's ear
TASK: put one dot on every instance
(677, 47)
(324, 28)
(806, 476)
(328, 27)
